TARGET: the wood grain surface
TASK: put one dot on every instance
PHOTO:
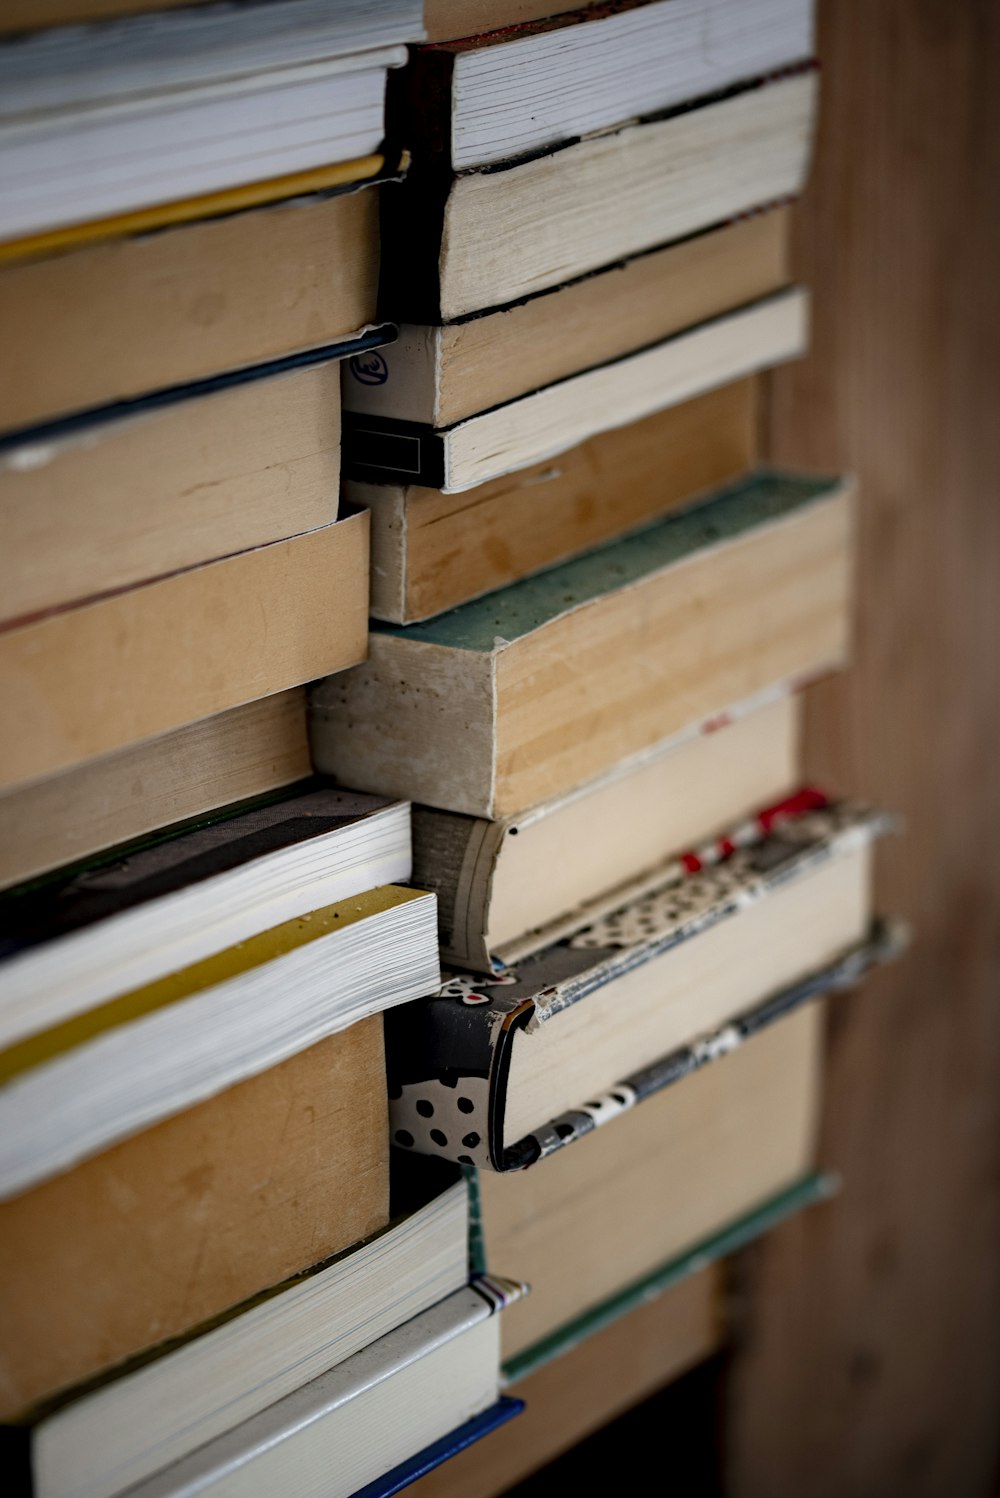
(871, 1356)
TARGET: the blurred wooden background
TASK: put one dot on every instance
(870, 1350)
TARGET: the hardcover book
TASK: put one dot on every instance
(351, 1426)
(507, 888)
(102, 1439)
(519, 697)
(501, 1071)
(595, 1227)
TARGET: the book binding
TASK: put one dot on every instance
(449, 1056)
(442, 1451)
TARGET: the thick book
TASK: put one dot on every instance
(485, 446)
(203, 206)
(455, 243)
(591, 1382)
(174, 1226)
(438, 376)
(588, 1222)
(508, 888)
(142, 489)
(67, 946)
(74, 1088)
(681, 1271)
(463, 1438)
(485, 99)
(433, 551)
(150, 311)
(354, 1425)
(100, 1440)
(87, 680)
(500, 1071)
(208, 769)
(519, 697)
(99, 120)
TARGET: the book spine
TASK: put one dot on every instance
(418, 124)
(377, 449)
(400, 381)
(442, 1451)
(456, 857)
(885, 941)
(448, 1061)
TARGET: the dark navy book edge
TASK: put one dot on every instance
(64, 426)
(441, 1451)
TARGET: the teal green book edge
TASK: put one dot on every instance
(759, 499)
(477, 1242)
(809, 1189)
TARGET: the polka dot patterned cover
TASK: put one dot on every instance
(449, 1055)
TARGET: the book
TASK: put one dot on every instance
(100, 120)
(618, 1351)
(593, 1219)
(198, 771)
(350, 1426)
(154, 310)
(85, 681)
(460, 243)
(68, 946)
(485, 99)
(508, 888)
(432, 551)
(74, 1088)
(519, 697)
(364, 170)
(441, 375)
(174, 1226)
(499, 1070)
(433, 1457)
(125, 1429)
(137, 491)
(589, 1384)
(549, 421)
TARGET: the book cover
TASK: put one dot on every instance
(442, 1451)
(381, 446)
(34, 915)
(804, 1193)
(449, 1056)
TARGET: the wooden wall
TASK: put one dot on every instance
(870, 1358)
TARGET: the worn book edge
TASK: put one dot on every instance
(808, 1190)
(456, 855)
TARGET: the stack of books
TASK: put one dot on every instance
(594, 614)
(403, 646)
(211, 1277)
